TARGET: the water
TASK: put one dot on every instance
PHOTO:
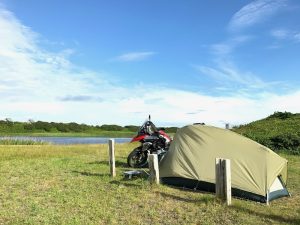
(70, 140)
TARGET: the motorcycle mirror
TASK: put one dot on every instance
(149, 118)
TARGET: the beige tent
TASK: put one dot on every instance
(257, 172)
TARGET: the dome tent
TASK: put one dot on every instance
(257, 173)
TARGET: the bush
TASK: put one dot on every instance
(111, 127)
(283, 142)
(74, 127)
(61, 127)
(28, 127)
(171, 129)
(286, 141)
(40, 125)
(281, 115)
(132, 128)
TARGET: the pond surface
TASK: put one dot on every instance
(70, 140)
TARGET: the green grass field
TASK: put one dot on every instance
(51, 184)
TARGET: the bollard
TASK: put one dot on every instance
(223, 180)
(111, 150)
(153, 169)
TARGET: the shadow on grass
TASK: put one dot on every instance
(126, 184)
(143, 176)
(205, 199)
(90, 174)
(117, 163)
(277, 218)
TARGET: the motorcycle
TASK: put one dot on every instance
(153, 140)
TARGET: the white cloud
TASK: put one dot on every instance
(44, 85)
(227, 74)
(134, 56)
(228, 46)
(285, 34)
(256, 12)
(221, 48)
(280, 33)
(178, 105)
(29, 72)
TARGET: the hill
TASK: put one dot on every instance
(279, 131)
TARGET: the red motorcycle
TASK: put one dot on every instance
(153, 140)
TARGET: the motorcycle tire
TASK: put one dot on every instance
(137, 158)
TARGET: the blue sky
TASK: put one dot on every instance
(102, 62)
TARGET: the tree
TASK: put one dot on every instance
(111, 127)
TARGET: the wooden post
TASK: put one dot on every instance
(227, 180)
(111, 149)
(227, 126)
(153, 168)
(223, 180)
(219, 179)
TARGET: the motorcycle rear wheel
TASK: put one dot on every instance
(137, 158)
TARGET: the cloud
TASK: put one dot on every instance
(235, 110)
(227, 74)
(196, 112)
(28, 71)
(80, 98)
(279, 33)
(228, 46)
(134, 56)
(285, 34)
(43, 85)
(256, 12)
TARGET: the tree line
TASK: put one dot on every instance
(9, 126)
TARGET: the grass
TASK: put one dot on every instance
(10, 141)
(47, 184)
(278, 131)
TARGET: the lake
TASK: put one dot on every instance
(70, 140)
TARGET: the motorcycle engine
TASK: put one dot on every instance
(154, 143)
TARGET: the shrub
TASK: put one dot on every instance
(61, 127)
(171, 129)
(132, 128)
(40, 125)
(286, 141)
(111, 127)
(74, 127)
(28, 127)
(281, 115)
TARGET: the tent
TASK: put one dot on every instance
(257, 173)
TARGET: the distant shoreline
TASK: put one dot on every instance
(72, 134)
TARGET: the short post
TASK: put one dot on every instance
(219, 179)
(153, 168)
(223, 180)
(111, 150)
(227, 126)
(227, 179)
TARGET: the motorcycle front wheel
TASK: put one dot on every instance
(137, 158)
